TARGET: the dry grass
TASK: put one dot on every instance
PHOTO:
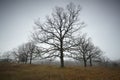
(45, 72)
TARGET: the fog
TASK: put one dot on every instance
(101, 17)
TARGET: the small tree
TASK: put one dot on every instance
(94, 54)
(84, 50)
(58, 30)
(26, 52)
(6, 56)
(15, 55)
(104, 61)
(31, 48)
(23, 54)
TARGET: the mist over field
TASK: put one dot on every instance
(101, 17)
(59, 40)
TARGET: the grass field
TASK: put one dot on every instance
(46, 72)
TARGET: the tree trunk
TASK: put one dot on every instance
(61, 59)
(85, 61)
(90, 61)
(30, 58)
(61, 54)
(26, 59)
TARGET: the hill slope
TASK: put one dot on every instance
(46, 72)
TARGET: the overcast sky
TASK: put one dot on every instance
(101, 16)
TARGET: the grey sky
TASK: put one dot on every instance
(101, 16)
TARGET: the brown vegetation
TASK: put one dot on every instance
(46, 72)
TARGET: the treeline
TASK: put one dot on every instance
(59, 37)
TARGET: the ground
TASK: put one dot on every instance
(47, 72)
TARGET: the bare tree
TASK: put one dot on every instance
(58, 29)
(26, 52)
(31, 48)
(6, 56)
(23, 54)
(104, 61)
(15, 55)
(84, 50)
(80, 51)
(94, 55)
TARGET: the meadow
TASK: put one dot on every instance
(50, 72)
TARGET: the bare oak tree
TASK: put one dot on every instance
(84, 50)
(15, 55)
(94, 55)
(6, 56)
(31, 49)
(58, 29)
(22, 53)
(80, 50)
(26, 52)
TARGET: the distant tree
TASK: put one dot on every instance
(26, 52)
(6, 56)
(22, 54)
(58, 30)
(104, 61)
(32, 49)
(84, 50)
(94, 55)
(15, 55)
